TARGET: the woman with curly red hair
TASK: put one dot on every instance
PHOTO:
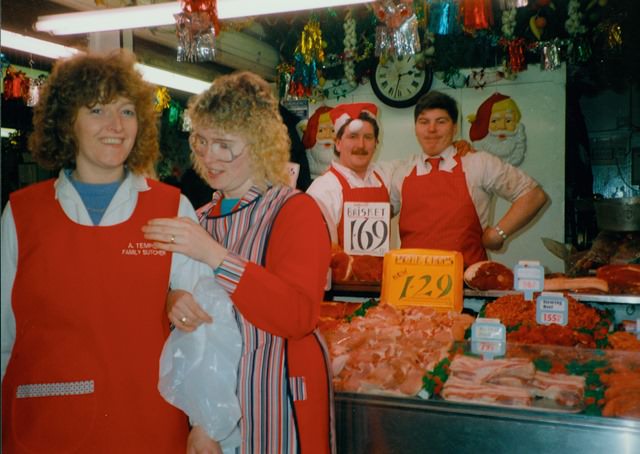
(83, 294)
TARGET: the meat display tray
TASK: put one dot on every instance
(619, 299)
(382, 424)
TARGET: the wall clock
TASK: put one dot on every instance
(398, 82)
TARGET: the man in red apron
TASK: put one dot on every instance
(353, 193)
(446, 196)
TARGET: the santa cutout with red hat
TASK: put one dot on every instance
(353, 180)
(496, 128)
(318, 141)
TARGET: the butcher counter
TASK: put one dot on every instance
(371, 423)
(380, 424)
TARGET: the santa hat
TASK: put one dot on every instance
(311, 130)
(480, 122)
(349, 113)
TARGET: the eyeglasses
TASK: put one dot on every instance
(224, 150)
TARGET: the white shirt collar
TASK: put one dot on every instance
(447, 164)
(347, 172)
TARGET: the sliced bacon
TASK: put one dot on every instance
(458, 390)
(491, 371)
(565, 390)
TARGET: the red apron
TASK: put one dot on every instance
(438, 213)
(349, 194)
(89, 304)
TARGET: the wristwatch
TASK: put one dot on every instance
(501, 232)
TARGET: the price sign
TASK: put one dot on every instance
(488, 338)
(552, 308)
(423, 277)
(366, 228)
(528, 277)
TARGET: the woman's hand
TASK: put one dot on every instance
(185, 236)
(200, 443)
(184, 312)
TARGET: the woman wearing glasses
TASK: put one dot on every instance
(269, 248)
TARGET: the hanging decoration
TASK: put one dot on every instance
(35, 86)
(481, 78)
(308, 55)
(350, 49)
(515, 47)
(476, 15)
(196, 28)
(175, 112)
(399, 34)
(443, 17)
(578, 49)
(163, 99)
(510, 4)
(16, 84)
(550, 56)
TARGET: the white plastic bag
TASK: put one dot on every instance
(198, 370)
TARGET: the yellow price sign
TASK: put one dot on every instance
(423, 277)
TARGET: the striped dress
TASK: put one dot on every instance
(274, 400)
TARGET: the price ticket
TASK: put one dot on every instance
(366, 228)
(423, 277)
(528, 277)
(552, 308)
(488, 338)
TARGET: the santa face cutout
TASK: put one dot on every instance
(496, 128)
(320, 147)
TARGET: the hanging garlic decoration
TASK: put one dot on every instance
(578, 48)
(508, 23)
(574, 24)
(350, 49)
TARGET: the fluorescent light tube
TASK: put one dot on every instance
(172, 80)
(6, 132)
(149, 73)
(35, 46)
(158, 14)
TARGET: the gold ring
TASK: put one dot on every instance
(184, 320)
(173, 239)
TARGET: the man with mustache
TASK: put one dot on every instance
(352, 177)
(446, 197)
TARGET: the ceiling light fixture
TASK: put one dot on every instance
(159, 14)
(151, 74)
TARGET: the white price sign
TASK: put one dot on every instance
(488, 338)
(528, 277)
(552, 308)
(366, 228)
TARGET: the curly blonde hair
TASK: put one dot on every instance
(243, 104)
(84, 81)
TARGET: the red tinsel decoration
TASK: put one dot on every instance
(204, 6)
(515, 51)
(16, 84)
(476, 14)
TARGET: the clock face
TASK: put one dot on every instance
(399, 83)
